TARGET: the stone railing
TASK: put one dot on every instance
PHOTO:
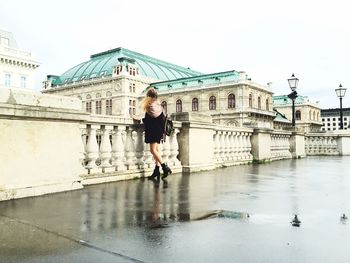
(280, 145)
(112, 150)
(232, 146)
(321, 144)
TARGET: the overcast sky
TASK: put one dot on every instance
(268, 39)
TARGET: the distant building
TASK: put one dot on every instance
(16, 65)
(230, 98)
(112, 83)
(331, 119)
(307, 114)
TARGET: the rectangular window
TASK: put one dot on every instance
(133, 88)
(23, 82)
(109, 107)
(328, 119)
(98, 107)
(333, 119)
(7, 79)
(132, 107)
(88, 106)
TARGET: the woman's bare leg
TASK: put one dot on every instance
(154, 147)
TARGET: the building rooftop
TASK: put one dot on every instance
(283, 100)
(205, 79)
(102, 64)
(7, 39)
(336, 111)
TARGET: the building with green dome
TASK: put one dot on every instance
(113, 83)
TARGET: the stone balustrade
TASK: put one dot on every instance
(280, 145)
(119, 150)
(321, 144)
(232, 146)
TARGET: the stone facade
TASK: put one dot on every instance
(307, 113)
(118, 91)
(16, 66)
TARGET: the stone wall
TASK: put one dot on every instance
(40, 144)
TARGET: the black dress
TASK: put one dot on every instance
(154, 128)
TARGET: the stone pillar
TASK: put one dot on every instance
(139, 146)
(106, 148)
(130, 149)
(92, 147)
(118, 149)
(261, 145)
(297, 145)
(343, 143)
(196, 141)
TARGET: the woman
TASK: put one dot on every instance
(154, 129)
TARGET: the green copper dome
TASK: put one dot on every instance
(102, 64)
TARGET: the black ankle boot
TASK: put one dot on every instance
(155, 174)
(166, 170)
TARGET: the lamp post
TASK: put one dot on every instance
(341, 93)
(293, 84)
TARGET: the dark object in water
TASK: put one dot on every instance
(296, 222)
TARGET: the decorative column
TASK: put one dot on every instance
(149, 162)
(83, 154)
(139, 146)
(231, 146)
(92, 147)
(118, 149)
(216, 146)
(222, 146)
(130, 149)
(106, 148)
(174, 148)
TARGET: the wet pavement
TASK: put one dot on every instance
(236, 214)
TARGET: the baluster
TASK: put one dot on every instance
(174, 149)
(226, 146)
(83, 154)
(240, 148)
(149, 162)
(166, 150)
(235, 146)
(222, 146)
(216, 146)
(246, 145)
(250, 146)
(231, 146)
(130, 149)
(106, 148)
(118, 149)
(92, 147)
(140, 146)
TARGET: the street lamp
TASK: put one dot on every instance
(341, 93)
(293, 84)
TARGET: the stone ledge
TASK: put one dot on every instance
(31, 98)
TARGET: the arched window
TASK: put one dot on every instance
(165, 108)
(231, 101)
(212, 103)
(267, 104)
(194, 104)
(250, 101)
(310, 115)
(298, 115)
(318, 116)
(178, 106)
(314, 116)
(259, 103)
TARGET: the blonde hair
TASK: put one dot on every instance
(150, 97)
